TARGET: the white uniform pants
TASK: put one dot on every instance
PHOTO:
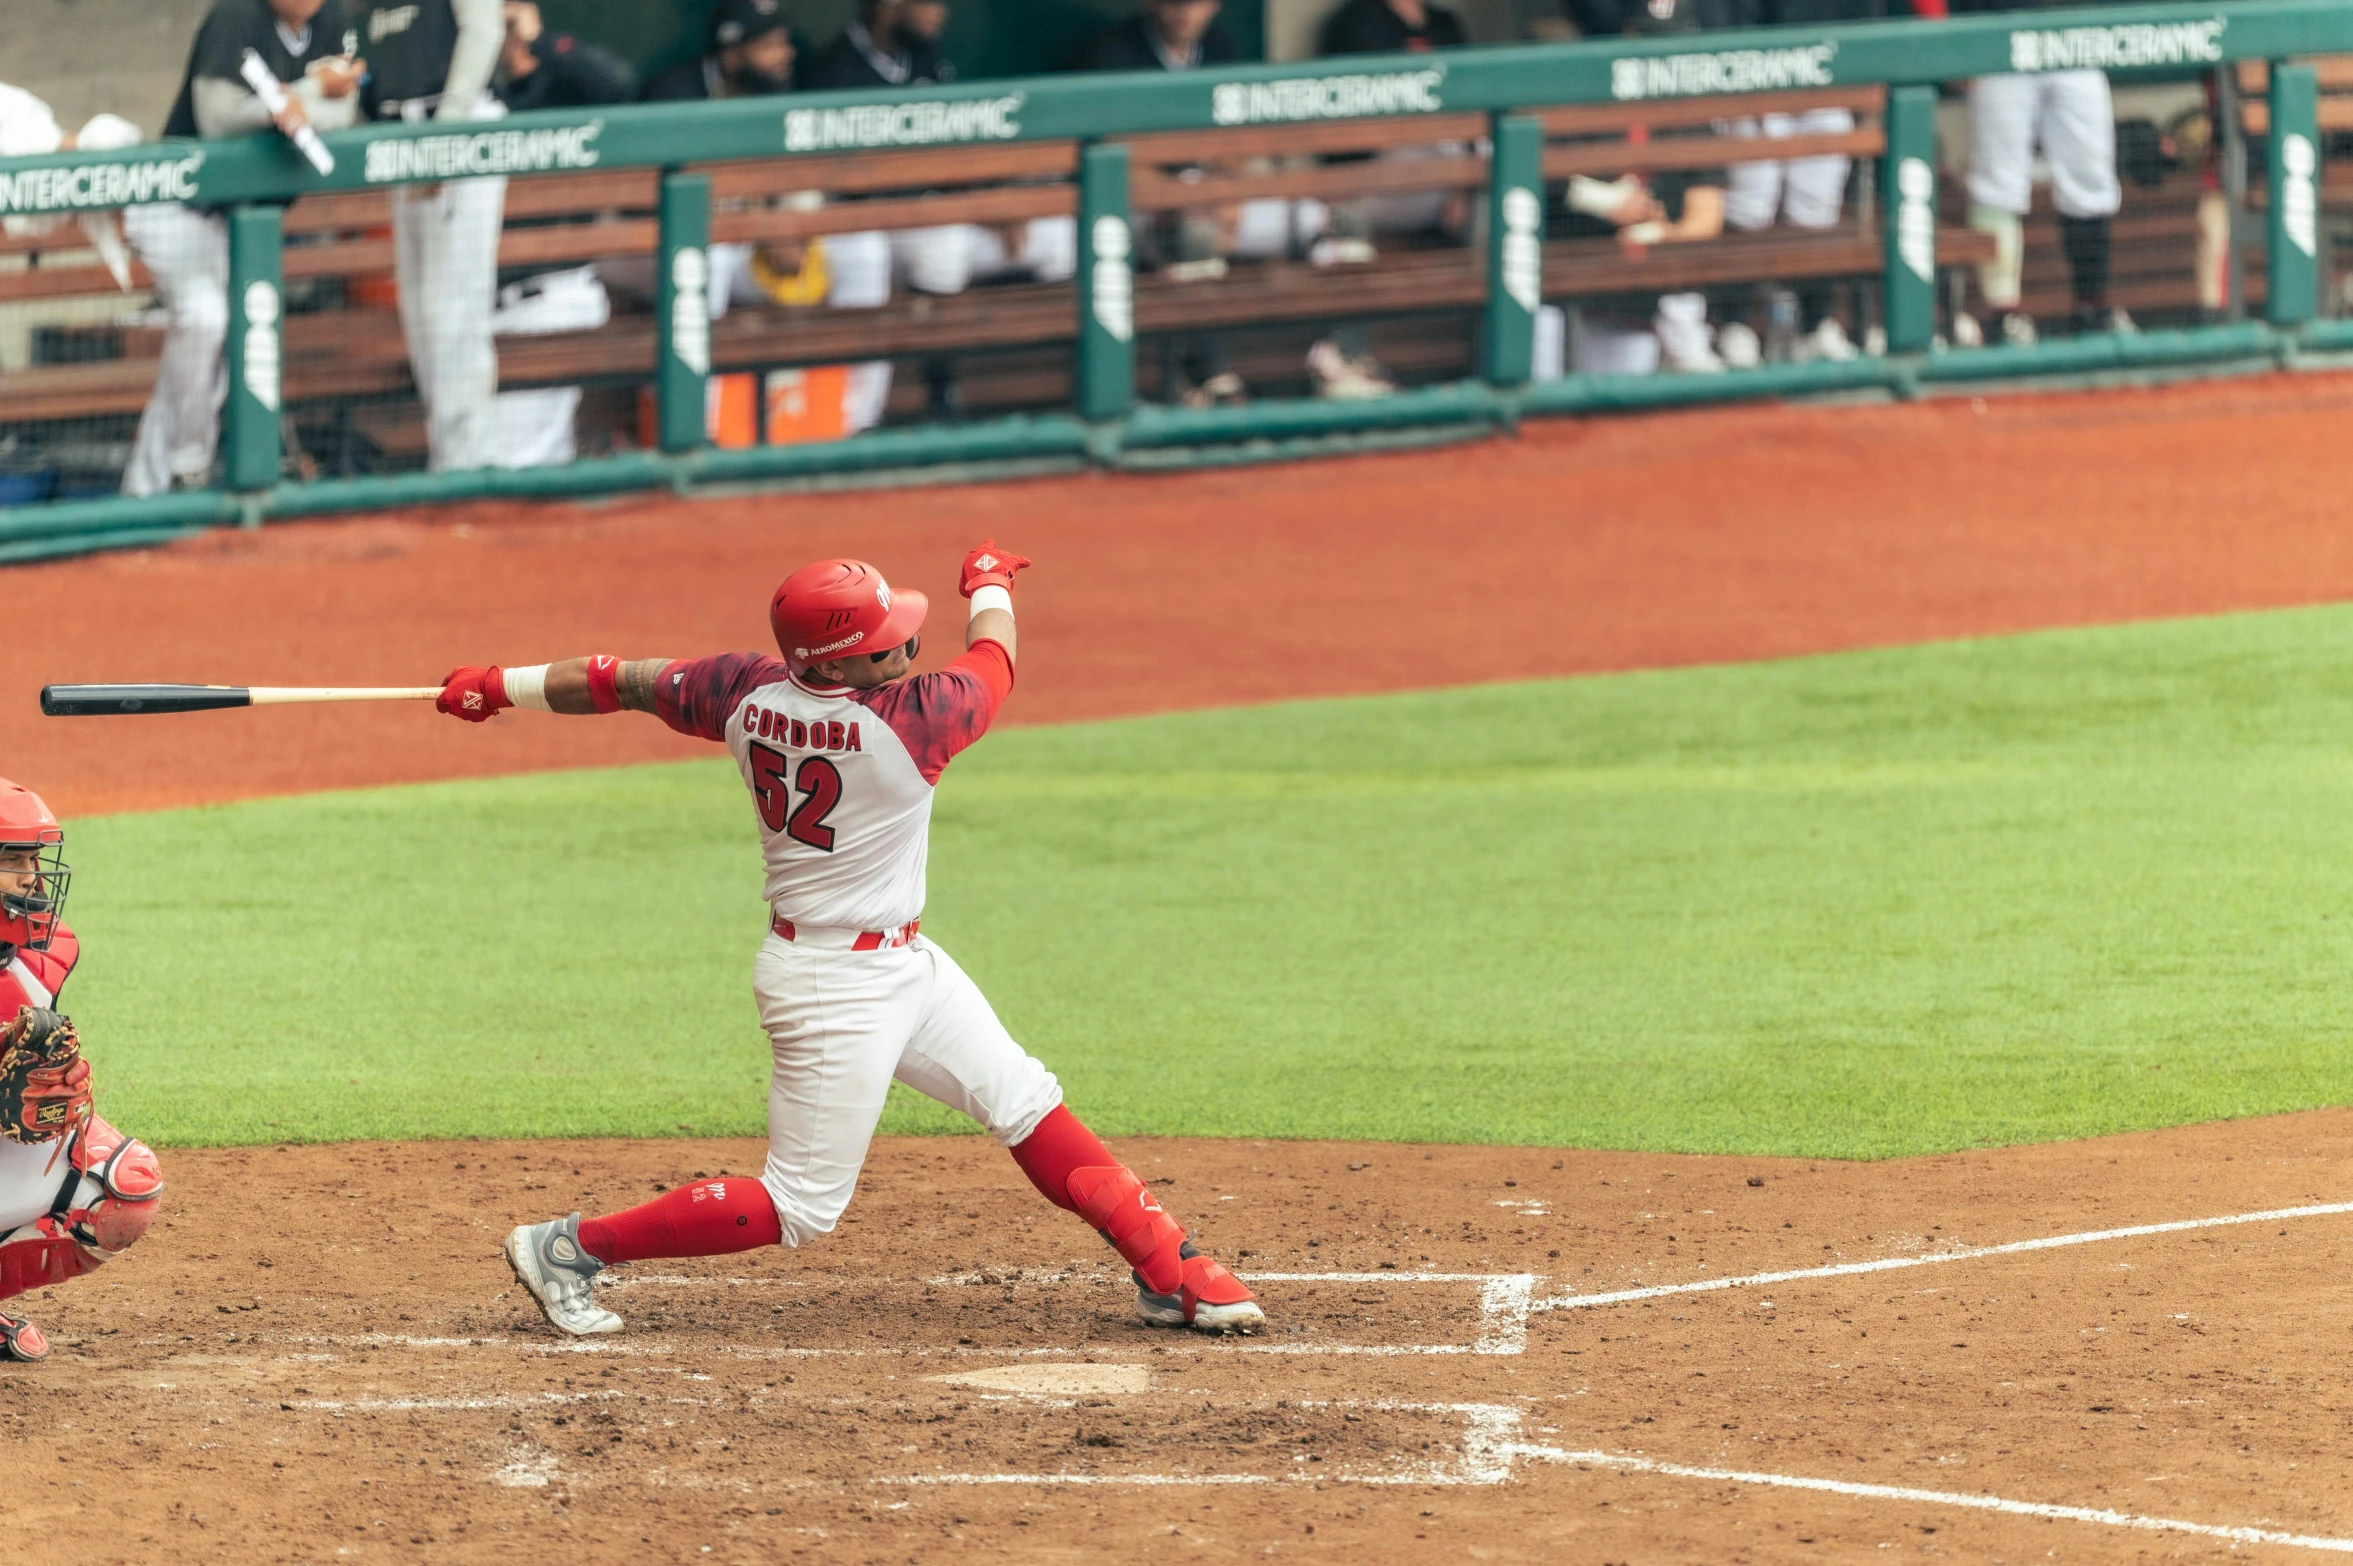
(861, 269)
(188, 253)
(1808, 192)
(2069, 116)
(445, 254)
(842, 1024)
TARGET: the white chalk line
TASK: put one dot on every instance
(1933, 1258)
(1491, 1451)
(1897, 1492)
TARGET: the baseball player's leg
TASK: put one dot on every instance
(2077, 127)
(962, 1056)
(67, 1207)
(462, 425)
(859, 278)
(837, 1023)
(2002, 111)
(188, 253)
(1752, 189)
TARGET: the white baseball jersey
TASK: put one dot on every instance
(841, 779)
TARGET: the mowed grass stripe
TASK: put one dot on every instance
(1861, 905)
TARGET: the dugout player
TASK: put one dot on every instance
(74, 1192)
(841, 747)
(751, 54)
(310, 46)
(432, 60)
(2069, 118)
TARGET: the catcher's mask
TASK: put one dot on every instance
(29, 914)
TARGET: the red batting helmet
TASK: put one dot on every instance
(29, 918)
(836, 608)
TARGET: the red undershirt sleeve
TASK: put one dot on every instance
(937, 715)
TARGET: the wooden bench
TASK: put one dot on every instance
(1424, 297)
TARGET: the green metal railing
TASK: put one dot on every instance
(251, 176)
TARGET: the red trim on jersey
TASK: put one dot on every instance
(698, 695)
(937, 715)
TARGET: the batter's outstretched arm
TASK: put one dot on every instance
(577, 685)
(568, 688)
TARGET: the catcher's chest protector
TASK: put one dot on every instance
(34, 978)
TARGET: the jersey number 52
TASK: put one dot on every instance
(820, 784)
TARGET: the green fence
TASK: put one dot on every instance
(252, 177)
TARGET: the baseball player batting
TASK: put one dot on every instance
(2070, 118)
(841, 747)
(74, 1192)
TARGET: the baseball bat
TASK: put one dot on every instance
(90, 701)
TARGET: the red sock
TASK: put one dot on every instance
(1060, 1145)
(708, 1218)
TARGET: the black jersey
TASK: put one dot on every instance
(408, 44)
(852, 60)
(234, 26)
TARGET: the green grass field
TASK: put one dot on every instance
(1860, 905)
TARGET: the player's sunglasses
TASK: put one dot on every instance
(914, 644)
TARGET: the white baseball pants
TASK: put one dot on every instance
(188, 253)
(1808, 192)
(2069, 116)
(841, 1025)
(445, 255)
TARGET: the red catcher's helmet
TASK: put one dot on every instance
(29, 918)
(838, 608)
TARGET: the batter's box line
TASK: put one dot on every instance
(1492, 1452)
(1936, 1258)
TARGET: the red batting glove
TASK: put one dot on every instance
(989, 566)
(476, 695)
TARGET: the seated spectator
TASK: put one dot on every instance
(1637, 332)
(1182, 35)
(751, 54)
(543, 70)
(896, 43)
(1342, 365)
(1802, 192)
(306, 45)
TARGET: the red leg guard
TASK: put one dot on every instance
(1058, 1148)
(1076, 1171)
(708, 1218)
(1120, 1206)
(42, 1259)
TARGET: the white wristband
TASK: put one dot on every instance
(990, 596)
(528, 687)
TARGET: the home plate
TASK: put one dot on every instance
(1066, 1380)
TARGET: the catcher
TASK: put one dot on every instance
(74, 1192)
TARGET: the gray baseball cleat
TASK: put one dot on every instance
(1210, 1299)
(549, 1261)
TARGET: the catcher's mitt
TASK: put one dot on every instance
(44, 1082)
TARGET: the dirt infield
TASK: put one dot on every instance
(321, 1357)
(1716, 535)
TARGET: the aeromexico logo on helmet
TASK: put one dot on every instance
(830, 648)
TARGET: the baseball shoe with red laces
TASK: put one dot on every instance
(1210, 1299)
(21, 1340)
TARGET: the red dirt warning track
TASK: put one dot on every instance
(1697, 537)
